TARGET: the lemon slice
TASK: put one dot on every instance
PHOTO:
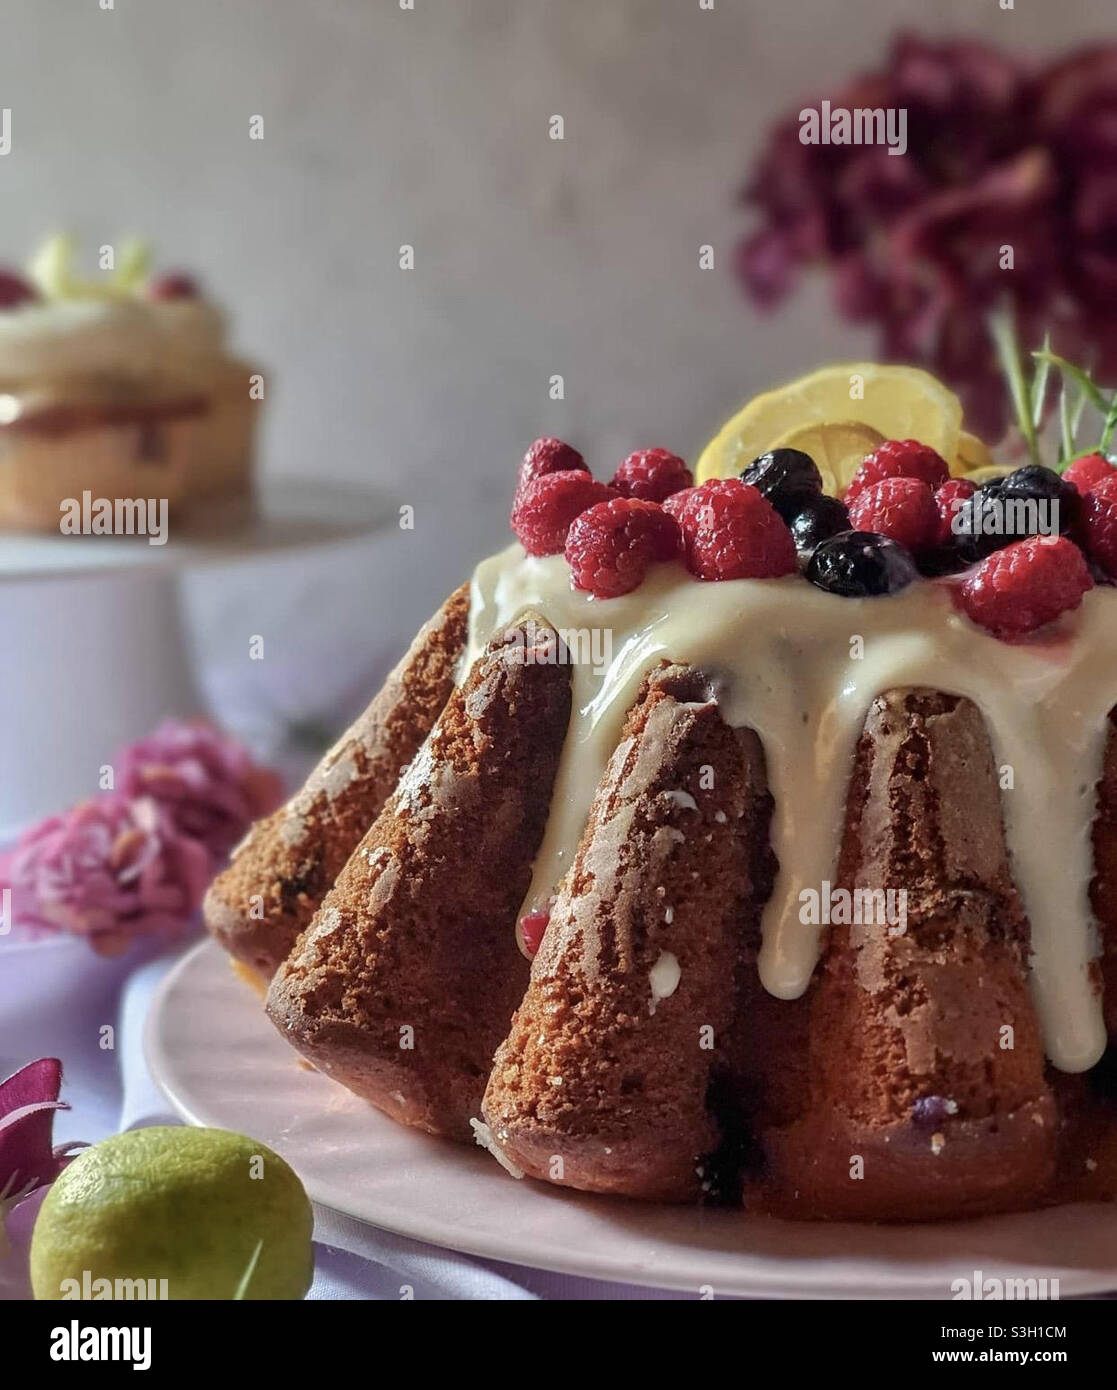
(972, 454)
(894, 402)
(839, 450)
(980, 476)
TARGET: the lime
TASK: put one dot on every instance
(892, 402)
(214, 1214)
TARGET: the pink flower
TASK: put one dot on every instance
(110, 869)
(1000, 153)
(206, 781)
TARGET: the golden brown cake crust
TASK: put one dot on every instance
(290, 860)
(407, 977)
(909, 1068)
(603, 1081)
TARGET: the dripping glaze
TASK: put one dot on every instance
(782, 651)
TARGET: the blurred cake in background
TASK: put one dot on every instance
(120, 385)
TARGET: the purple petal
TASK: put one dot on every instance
(26, 1155)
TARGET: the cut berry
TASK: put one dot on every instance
(543, 511)
(1026, 585)
(610, 546)
(859, 564)
(173, 286)
(821, 517)
(14, 290)
(788, 478)
(652, 474)
(546, 456)
(899, 458)
(1027, 502)
(949, 499)
(532, 927)
(731, 532)
(901, 508)
(1089, 470)
(1100, 525)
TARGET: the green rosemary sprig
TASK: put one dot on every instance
(1004, 337)
(1088, 391)
(1029, 393)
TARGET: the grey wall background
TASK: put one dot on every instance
(430, 127)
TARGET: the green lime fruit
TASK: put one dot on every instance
(212, 1213)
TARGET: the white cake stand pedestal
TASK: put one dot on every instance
(92, 639)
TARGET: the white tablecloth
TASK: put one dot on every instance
(58, 999)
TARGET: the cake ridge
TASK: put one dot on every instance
(784, 656)
(856, 744)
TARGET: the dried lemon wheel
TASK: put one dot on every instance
(972, 454)
(838, 450)
(893, 402)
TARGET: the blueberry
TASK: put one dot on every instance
(942, 559)
(859, 564)
(786, 477)
(1029, 501)
(931, 1111)
(819, 518)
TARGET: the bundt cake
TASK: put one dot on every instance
(817, 880)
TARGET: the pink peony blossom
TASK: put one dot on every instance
(206, 780)
(110, 869)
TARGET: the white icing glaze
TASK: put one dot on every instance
(664, 977)
(133, 337)
(781, 650)
(483, 1136)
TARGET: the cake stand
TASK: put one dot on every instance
(93, 642)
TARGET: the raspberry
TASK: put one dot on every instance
(1027, 584)
(899, 458)
(948, 500)
(1100, 505)
(545, 456)
(542, 513)
(731, 532)
(653, 474)
(532, 927)
(1089, 470)
(683, 505)
(901, 508)
(611, 545)
(173, 286)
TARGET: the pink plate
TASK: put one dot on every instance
(221, 1063)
